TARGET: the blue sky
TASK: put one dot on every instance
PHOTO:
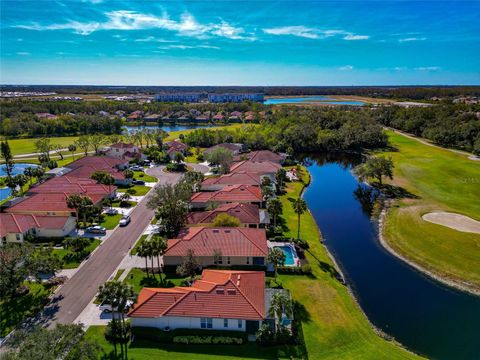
(240, 42)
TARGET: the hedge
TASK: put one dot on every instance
(225, 340)
(167, 337)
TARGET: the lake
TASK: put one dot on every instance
(308, 99)
(425, 316)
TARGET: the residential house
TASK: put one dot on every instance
(262, 155)
(235, 148)
(259, 167)
(249, 215)
(152, 118)
(220, 300)
(218, 117)
(14, 227)
(175, 146)
(219, 246)
(135, 116)
(229, 194)
(124, 151)
(236, 178)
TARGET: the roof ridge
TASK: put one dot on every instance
(16, 222)
(246, 298)
(176, 302)
(244, 234)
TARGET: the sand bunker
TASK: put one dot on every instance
(453, 221)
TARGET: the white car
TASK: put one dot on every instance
(105, 307)
(124, 221)
(111, 211)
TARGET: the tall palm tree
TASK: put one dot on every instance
(159, 246)
(299, 207)
(72, 148)
(143, 251)
(274, 208)
(277, 258)
(280, 305)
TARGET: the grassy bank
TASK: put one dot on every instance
(439, 180)
(27, 146)
(333, 325)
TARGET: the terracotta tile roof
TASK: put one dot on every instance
(96, 162)
(72, 185)
(265, 155)
(21, 223)
(236, 178)
(175, 146)
(230, 241)
(219, 294)
(259, 167)
(41, 202)
(246, 213)
(231, 193)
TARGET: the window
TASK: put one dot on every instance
(225, 323)
(228, 259)
(239, 324)
(206, 323)
(248, 260)
(18, 237)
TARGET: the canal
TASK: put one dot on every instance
(423, 315)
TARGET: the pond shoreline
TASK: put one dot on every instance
(467, 288)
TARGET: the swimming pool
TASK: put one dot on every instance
(289, 256)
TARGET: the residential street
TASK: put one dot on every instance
(78, 291)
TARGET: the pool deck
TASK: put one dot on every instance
(296, 259)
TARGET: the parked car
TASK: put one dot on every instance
(105, 307)
(136, 168)
(125, 220)
(111, 211)
(138, 182)
(97, 229)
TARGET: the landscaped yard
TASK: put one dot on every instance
(140, 190)
(14, 311)
(138, 279)
(72, 263)
(144, 349)
(137, 244)
(442, 181)
(333, 325)
(140, 175)
(110, 221)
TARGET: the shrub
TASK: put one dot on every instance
(301, 243)
(306, 268)
(192, 339)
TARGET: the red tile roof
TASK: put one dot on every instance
(21, 223)
(236, 178)
(45, 202)
(246, 213)
(219, 294)
(72, 185)
(259, 167)
(175, 146)
(230, 241)
(231, 193)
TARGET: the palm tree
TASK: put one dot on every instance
(29, 172)
(280, 305)
(274, 208)
(277, 258)
(143, 251)
(72, 148)
(79, 203)
(299, 207)
(159, 246)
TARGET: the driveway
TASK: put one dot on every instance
(75, 295)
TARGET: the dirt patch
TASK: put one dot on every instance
(454, 221)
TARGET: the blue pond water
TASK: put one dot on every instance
(423, 315)
(307, 99)
(17, 169)
(287, 250)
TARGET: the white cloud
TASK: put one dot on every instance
(23, 53)
(313, 33)
(428, 68)
(301, 31)
(412, 39)
(346, 68)
(353, 37)
(153, 39)
(185, 47)
(187, 25)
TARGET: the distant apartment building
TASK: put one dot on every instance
(184, 98)
(235, 98)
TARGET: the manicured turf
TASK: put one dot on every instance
(140, 175)
(176, 134)
(14, 311)
(118, 274)
(138, 278)
(140, 189)
(137, 244)
(441, 180)
(110, 221)
(74, 263)
(27, 146)
(333, 325)
(143, 350)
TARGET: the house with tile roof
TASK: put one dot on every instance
(235, 148)
(219, 300)
(229, 194)
(123, 151)
(255, 167)
(249, 215)
(262, 155)
(14, 227)
(175, 146)
(236, 246)
(236, 178)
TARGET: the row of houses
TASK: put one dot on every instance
(220, 299)
(43, 211)
(197, 116)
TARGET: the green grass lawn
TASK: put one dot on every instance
(118, 274)
(110, 221)
(74, 263)
(143, 349)
(140, 190)
(140, 175)
(14, 311)
(175, 134)
(27, 146)
(333, 325)
(138, 279)
(116, 203)
(442, 181)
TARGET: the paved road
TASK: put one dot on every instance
(78, 291)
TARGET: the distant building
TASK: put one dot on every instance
(184, 98)
(175, 146)
(124, 151)
(236, 98)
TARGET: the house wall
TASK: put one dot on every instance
(177, 322)
(12, 238)
(69, 227)
(209, 260)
